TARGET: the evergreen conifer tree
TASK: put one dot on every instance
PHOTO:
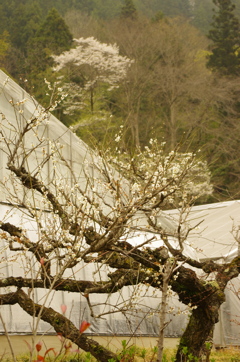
(52, 37)
(54, 33)
(225, 35)
(24, 20)
(129, 10)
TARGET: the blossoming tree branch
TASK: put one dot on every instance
(84, 218)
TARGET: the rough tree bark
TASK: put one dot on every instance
(206, 298)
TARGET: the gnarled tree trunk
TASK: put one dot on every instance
(200, 327)
(205, 298)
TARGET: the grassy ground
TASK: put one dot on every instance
(134, 354)
(19, 342)
(137, 349)
(223, 355)
(226, 355)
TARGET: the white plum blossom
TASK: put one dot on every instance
(154, 174)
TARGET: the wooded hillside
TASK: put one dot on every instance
(166, 91)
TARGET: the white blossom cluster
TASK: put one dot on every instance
(86, 67)
(108, 65)
(180, 177)
(75, 98)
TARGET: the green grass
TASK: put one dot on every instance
(133, 354)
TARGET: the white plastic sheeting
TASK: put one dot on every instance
(141, 318)
(216, 236)
(73, 156)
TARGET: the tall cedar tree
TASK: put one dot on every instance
(24, 20)
(53, 37)
(128, 10)
(54, 33)
(225, 35)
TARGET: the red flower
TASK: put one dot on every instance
(40, 359)
(39, 346)
(84, 325)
